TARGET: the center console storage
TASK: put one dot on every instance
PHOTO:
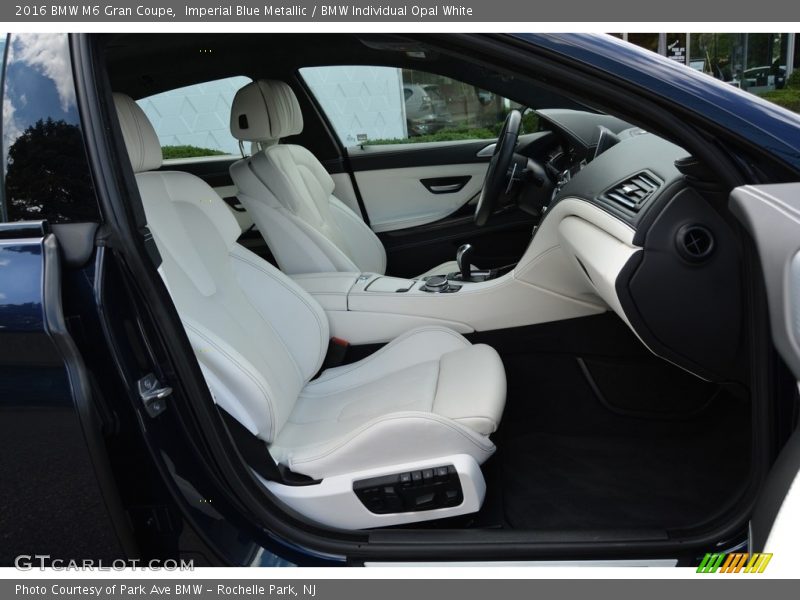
(390, 284)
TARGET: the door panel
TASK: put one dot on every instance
(48, 427)
(421, 223)
(399, 198)
(772, 215)
(499, 243)
(406, 185)
(418, 154)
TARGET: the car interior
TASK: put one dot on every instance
(546, 331)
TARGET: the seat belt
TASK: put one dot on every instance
(253, 449)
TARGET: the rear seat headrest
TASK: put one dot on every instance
(265, 111)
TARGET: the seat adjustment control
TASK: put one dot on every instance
(426, 489)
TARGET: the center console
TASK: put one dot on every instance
(546, 285)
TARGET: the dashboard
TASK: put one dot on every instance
(679, 283)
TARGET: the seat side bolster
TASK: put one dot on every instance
(471, 388)
(413, 347)
(379, 442)
(367, 249)
(323, 245)
(297, 246)
(298, 319)
(235, 384)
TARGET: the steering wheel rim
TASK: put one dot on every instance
(495, 181)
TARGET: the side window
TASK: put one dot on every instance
(387, 105)
(193, 121)
(45, 170)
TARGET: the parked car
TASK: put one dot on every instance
(426, 109)
(764, 79)
(575, 344)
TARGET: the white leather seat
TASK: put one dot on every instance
(289, 194)
(260, 339)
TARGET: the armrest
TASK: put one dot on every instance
(329, 289)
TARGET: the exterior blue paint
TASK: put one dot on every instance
(21, 288)
(31, 374)
(753, 119)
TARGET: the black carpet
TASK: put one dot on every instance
(568, 459)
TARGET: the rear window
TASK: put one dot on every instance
(193, 122)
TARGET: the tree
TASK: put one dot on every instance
(47, 175)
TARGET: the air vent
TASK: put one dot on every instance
(695, 243)
(632, 193)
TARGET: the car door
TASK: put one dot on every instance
(771, 213)
(418, 145)
(55, 493)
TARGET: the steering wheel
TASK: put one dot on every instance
(497, 174)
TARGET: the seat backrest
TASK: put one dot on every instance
(290, 195)
(259, 337)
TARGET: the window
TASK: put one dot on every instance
(387, 105)
(45, 170)
(194, 121)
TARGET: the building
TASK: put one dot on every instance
(756, 62)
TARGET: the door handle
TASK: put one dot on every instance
(445, 185)
(442, 189)
(486, 151)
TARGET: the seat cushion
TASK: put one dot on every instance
(427, 393)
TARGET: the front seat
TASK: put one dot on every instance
(429, 399)
(289, 194)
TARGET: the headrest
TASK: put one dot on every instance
(265, 111)
(141, 140)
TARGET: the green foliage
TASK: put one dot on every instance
(47, 176)
(449, 134)
(787, 97)
(530, 122)
(188, 152)
(793, 82)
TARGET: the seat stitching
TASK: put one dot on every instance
(311, 394)
(387, 347)
(368, 426)
(492, 421)
(320, 355)
(332, 247)
(243, 370)
(265, 320)
(348, 214)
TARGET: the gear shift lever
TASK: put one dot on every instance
(464, 260)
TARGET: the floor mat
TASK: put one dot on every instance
(565, 461)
